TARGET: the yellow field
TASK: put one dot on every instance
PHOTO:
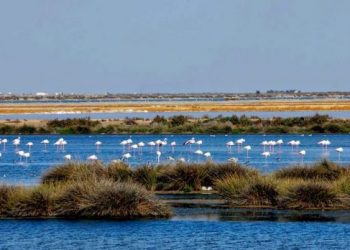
(314, 105)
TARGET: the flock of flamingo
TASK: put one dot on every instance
(130, 147)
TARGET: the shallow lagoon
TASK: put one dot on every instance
(12, 170)
(196, 227)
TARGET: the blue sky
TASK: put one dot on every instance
(94, 46)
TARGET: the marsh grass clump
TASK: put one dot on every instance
(108, 199)
(181, 176)
(324, 170)
(119, 171)
(261, 193)
(6, 193)
(221, 171)
(74, 171)
(248, 191)
(309, 196)
(32, 203)
(146, 176)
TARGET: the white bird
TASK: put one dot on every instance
(265, 143)
(158, 155)
(240, 141)
(198, 152)
(92, 158)
(266, 154)
(302, 153)
(21, 154)
(233, 160)
(67, 157)
(173, 145)
(207, 154)
(182, 160)
(171, 158)
(126, 156)
(45, 142)
(30, 144)
(98, 144)
(134, 146)
(229, 145)
(248, 148)
(190, 142)
(199, 143)
(141, 145)
(26, 155)
(16, 142)
(272, 145)
(4, 141)
(339, 150)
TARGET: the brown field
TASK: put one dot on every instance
(314, 105)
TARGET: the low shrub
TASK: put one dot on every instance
(310, 195)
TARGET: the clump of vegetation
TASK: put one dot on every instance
(108, 199)
(146, 176)
(180, 176)
(310, 195)
(248, 191)
(90, 198)
(119, 171)
(324, 170)
(74, 171)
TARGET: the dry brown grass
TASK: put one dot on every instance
(313, 105)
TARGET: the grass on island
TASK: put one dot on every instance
(92, 190)
(180, 124)
(79, 191)
(320, 186)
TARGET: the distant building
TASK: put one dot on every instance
(41, 94)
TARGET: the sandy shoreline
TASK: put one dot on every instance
(45, 108)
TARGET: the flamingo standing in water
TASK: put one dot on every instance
(340, 151)
(199, 143)
(123, 144)
(16, 142)
(141, 145)
(30, 145)
(173, 145)
(264, 144)
(229, 145)
(248, 148)
(26, 155)
(158, 155)
(45, 142)
(302, 154)
(239, 143)
(98, 144)
(4, 141)
(266, 154)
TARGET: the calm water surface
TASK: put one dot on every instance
(13, 169)
(190, 228)
(172, 234)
